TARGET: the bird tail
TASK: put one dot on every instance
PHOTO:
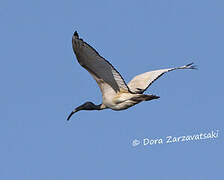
(144, 97)
(148, 97)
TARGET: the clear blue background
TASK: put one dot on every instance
(41, 83)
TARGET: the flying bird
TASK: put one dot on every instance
(116, 94)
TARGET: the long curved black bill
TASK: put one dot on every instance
(70, 115)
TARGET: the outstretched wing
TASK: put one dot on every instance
(141, 82)
(106, 76)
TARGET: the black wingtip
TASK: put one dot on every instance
(76, 34)
(192, 66)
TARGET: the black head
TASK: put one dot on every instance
(86, 106)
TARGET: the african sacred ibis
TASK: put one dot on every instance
(116, 94)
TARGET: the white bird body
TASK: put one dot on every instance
(119, 101)
(116, 94)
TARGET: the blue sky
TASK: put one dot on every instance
(42, 82)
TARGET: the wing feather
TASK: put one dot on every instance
(141, 82)
(101, 70)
